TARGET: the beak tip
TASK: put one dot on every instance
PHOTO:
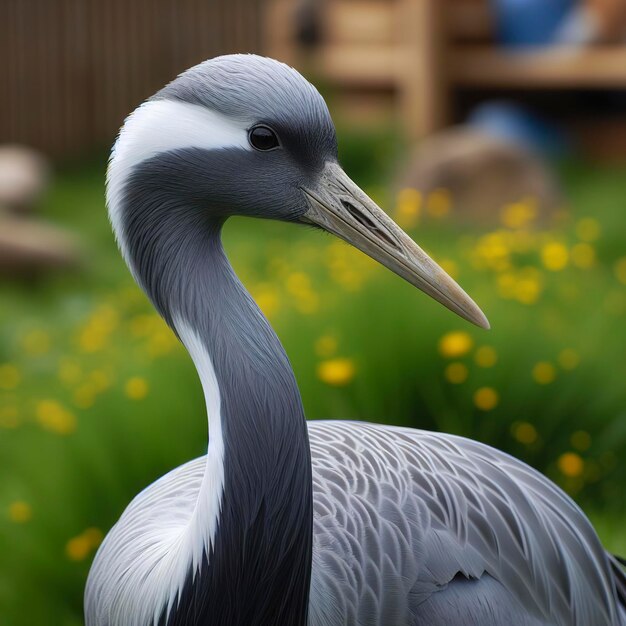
(480, 320)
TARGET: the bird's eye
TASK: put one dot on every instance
(263, 138)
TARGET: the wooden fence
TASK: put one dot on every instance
(70, 70)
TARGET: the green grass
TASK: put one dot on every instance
(78, 440)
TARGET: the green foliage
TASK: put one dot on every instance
(97, 399)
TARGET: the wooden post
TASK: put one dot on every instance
(422, 82)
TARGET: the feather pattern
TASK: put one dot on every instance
(413, 527)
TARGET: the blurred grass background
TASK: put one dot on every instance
(443, 111)
(97, 399)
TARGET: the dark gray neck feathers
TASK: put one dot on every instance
(258, 572)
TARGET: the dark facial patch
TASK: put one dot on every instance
(257, 90)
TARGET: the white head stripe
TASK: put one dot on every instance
(162, 126)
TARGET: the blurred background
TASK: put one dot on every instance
(493, 131)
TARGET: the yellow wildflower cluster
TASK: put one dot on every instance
(348, 267)
(54, 417)
(267, 298)
(136, 388)
(408, 208)
(571, 464)
(524, 285)
(544, 373)
(336, 372)
(554, 256)
(79, 547)
(486, 398)
(298, 284)
(519, 214)
(524, 432)
(95, 334)
(493, 251)
(160, 340)
(455, 344)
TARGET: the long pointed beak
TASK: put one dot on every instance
(340, 207)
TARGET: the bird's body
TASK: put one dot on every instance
(284, 522)
(417, 528)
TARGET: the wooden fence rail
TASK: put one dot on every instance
(70, 70)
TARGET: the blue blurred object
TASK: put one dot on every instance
(515, 124)
(530, 22)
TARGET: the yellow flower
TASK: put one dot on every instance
(136, 388)
(268, 302)
(544, 373)
(588, 229)
(527, 290)
(455, 344)
(77, 548)
(519, 214)
(36, 342)
(439, 202)
(10, 376)
(524, 432)
(568, 359)
(20, 512)
(94, 336)
(298, 282)
(450, 267)
(620, 270)
(485, 356)
(456, 373)
(486, 398)
(91, 340)
(408, 208)
(336, 372)
(554, 256)
(54, 417)
(571, 464)
(326, 346)
(583, 255)
(581, 440)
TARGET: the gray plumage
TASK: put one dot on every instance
(326, 523)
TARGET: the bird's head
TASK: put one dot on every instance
(247, 135)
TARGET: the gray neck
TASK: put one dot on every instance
(258, 568)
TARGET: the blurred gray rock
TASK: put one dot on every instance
(29, 247)
(483, 174)
(24, 176)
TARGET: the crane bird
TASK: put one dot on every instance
(286, 522)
